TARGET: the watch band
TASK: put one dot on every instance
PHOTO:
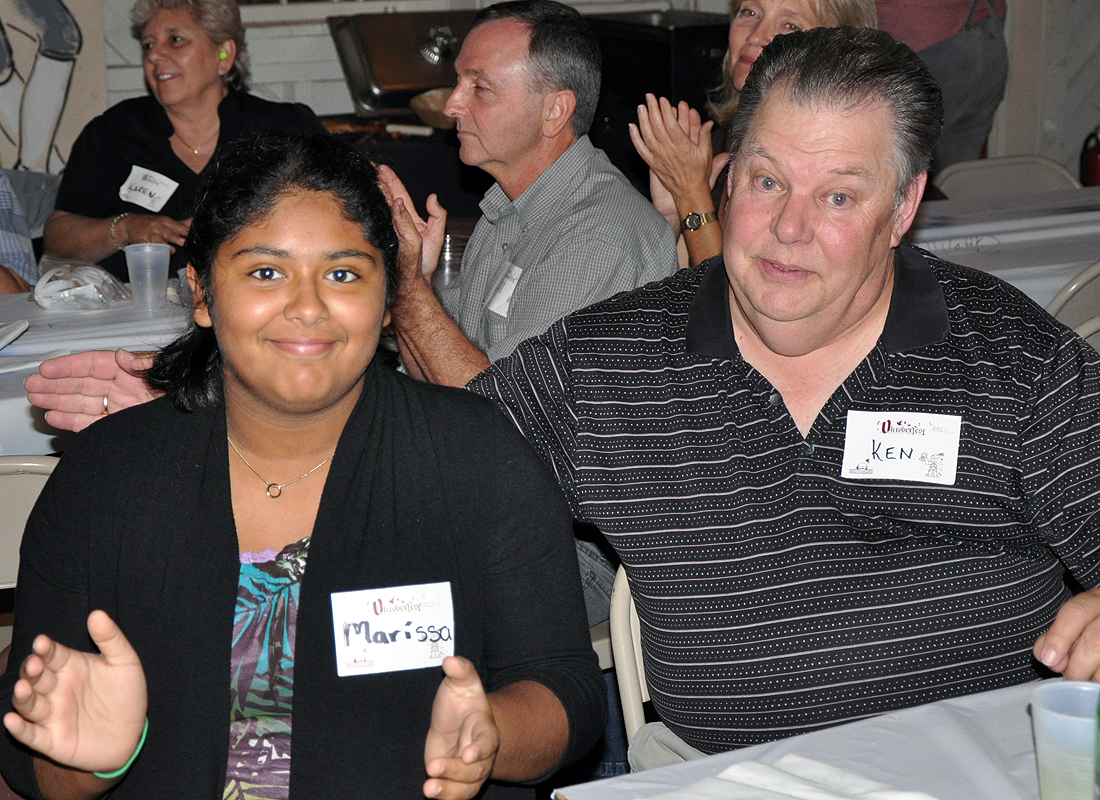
(695, 220)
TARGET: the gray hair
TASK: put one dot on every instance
(562, 52)
(220, 20)
(722, 99)
(845, 68)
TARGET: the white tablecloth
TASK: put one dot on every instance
(1037, 242)
(967, 748)
(23, 430)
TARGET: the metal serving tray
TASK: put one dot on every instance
(390, 58)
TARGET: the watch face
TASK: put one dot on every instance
(693, 222)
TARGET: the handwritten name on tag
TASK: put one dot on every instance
(392, 629)
(901, 445)
(147, 188)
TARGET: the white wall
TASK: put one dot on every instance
(1053, 96)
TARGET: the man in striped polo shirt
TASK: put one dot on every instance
(844, 476)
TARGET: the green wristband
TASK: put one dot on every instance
(122, 771)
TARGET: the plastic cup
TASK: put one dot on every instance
(1063, 717)
(148, 267)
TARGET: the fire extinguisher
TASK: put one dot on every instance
(1090, 159)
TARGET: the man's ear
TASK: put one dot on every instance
(557, 111)
(201, 313)
(907, 210)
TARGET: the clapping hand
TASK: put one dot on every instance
(431, 231)
(675, 143)
(81, 710)
(463, 739)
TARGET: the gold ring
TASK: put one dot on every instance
(105, 409)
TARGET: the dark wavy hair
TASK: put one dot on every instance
(240, 189)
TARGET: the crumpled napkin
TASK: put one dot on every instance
(790, 777)
(78, 286)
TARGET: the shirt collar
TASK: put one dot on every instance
(917, 315)
(230, 115)
(542, 198)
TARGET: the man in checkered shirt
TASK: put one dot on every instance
(562, 228)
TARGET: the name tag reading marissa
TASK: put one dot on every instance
(147, 188)
(392, 629)
(900, 445)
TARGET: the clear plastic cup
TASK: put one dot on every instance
(148, 267)
(1063, 717)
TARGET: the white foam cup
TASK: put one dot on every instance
(147, 264)
(1063, 717)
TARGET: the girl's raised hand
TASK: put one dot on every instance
(81, 710)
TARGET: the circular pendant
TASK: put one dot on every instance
(274, 490)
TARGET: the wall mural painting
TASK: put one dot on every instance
(52, 79)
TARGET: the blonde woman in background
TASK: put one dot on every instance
(679, 147)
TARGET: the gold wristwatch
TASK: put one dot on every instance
(695, 220)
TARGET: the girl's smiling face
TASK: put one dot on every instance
(299, 302)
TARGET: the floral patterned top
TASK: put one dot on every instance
(262, 680)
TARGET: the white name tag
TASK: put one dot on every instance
(502, 300)
(901, 445)
(147, 188)
(392, 629)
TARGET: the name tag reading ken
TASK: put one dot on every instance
(901, 445)
(147, 188)
(393, 629)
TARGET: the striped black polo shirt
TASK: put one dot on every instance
(777, 596)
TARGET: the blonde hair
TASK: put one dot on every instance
(722, 99)
(220, 20)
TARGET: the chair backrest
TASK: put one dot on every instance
(626, 643)
(1079, 300)
(1004, 175)
(1089, 331)
(21, 479)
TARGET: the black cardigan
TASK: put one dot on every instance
(428, 484)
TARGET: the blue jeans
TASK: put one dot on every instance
(597, 579)
(613, 757)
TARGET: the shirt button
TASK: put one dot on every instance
(774, 399)
(504, 246)
(809, 449)
(525, 229)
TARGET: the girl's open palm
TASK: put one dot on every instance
(82, 710)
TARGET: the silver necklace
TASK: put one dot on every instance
(275, 489)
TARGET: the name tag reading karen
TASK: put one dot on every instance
(501, 303)
(392, 629)
(147, 188)
(900, 445)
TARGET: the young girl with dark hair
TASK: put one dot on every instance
(296, 538)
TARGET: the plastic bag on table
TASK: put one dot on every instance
(76, 285)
